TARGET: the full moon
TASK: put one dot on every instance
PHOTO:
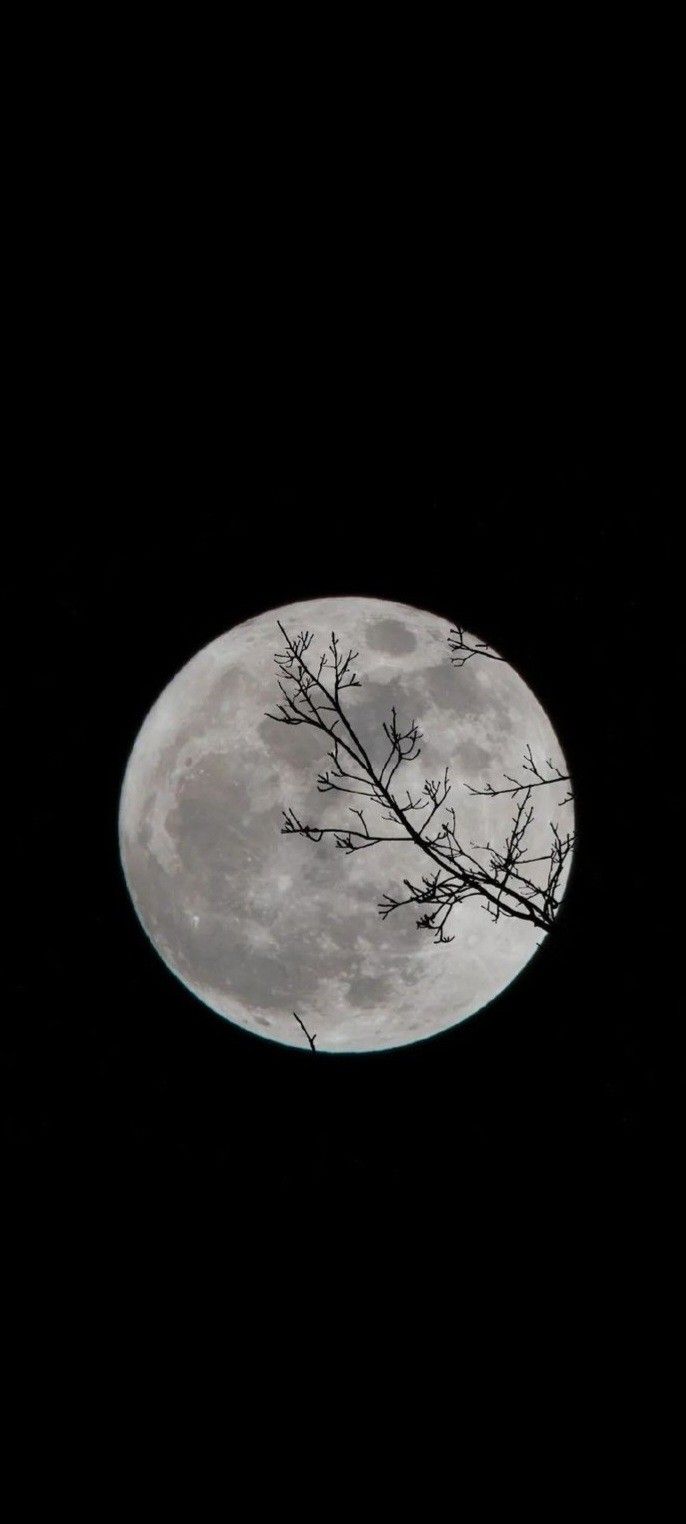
(259, 924)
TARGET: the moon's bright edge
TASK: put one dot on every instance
(258, 924)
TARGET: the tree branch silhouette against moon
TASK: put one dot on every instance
(313, 694)
(272, 893)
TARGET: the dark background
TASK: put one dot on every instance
(135, 1117)
(273, 343)
(278, 343)
(220, 417)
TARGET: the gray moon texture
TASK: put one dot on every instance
(258, 924)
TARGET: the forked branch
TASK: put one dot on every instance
(312, 695)
(310, 1038)
(464, 648)
(537, 779)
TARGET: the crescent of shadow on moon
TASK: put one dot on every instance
(258, 924)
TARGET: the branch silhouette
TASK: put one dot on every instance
(312, 694)
(517, 786)
(463, 651)
(310, 1038)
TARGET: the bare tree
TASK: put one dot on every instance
(312, 691)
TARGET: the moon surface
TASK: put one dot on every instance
(258, 924)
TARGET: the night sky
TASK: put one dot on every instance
(132, 1112)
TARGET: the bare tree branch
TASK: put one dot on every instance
(517, 786)
(464, 651)
(312, 695)
(310, 1039)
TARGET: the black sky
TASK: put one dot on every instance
(220, 417)
(135, 1113)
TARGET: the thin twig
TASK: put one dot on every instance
(310, 1039)
(518, 786)
(464, 651)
